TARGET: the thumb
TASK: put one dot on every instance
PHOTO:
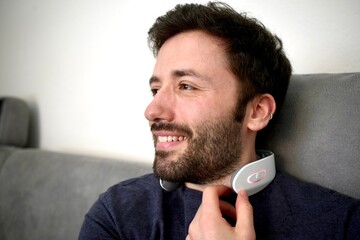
(244, 215)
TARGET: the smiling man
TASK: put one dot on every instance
(219, 77)
(193, 114)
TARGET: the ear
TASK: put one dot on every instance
(261, 111)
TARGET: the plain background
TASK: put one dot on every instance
(83, 65)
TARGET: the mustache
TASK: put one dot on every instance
(180, 128)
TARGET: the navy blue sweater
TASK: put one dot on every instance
(287, 209)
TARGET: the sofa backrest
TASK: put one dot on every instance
(316, 136)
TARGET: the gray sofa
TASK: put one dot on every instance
(45, 195)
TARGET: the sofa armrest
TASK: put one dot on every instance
(14, 122)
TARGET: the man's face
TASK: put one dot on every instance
(192, 115)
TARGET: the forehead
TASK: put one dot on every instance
(195, 50)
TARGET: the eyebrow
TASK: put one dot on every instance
(153, 79)
(179, 73)
(186, 72)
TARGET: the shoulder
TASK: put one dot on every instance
(291, 207)
(128, 197)
(301, 192)
(124, 207)
(145, 181)
(311, 203)
(141, 188)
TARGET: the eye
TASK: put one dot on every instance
(184, 86)
(154, 91)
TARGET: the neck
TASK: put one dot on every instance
(226, 181)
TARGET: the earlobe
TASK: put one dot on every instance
(261, 111)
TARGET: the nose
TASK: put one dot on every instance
(161, 108)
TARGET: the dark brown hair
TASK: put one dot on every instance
(255, 55)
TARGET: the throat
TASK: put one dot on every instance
(226, 181)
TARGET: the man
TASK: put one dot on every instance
(217, 81)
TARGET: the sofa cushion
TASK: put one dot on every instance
(45, 195)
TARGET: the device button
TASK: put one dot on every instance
(255, 177)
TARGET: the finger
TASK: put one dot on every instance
(245, 219)
(209, 221)
(211, 196)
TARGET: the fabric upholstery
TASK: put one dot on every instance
(14, 122)
(45, 195)
(316, 137)
(5, 152)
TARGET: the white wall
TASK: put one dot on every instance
(83, 65)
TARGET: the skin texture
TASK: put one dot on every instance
(193, 87)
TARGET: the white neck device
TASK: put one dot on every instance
(255, 176)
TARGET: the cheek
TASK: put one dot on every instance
(204, 112)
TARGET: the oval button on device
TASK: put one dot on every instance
(255, 177)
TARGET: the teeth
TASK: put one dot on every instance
(171, 138)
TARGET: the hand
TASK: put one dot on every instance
(209, 224)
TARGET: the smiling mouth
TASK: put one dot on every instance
(163, 139)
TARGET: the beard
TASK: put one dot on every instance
(213, 152)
